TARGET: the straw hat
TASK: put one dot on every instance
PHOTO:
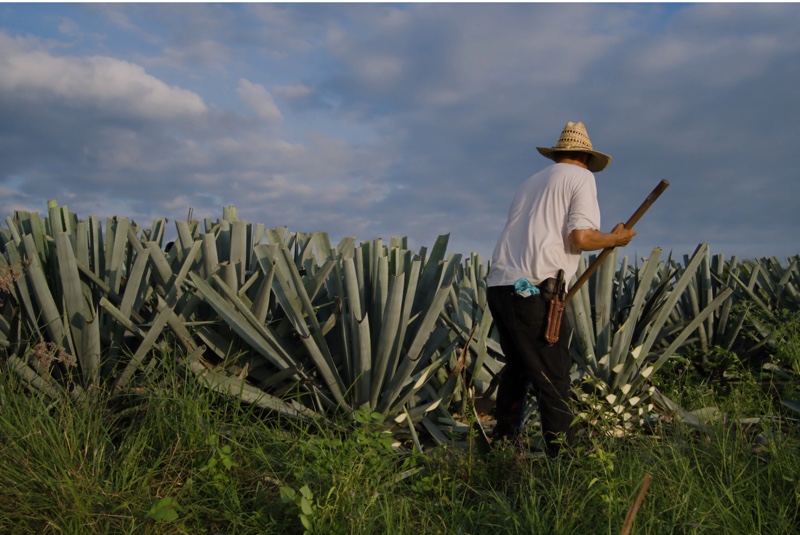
(574, 138)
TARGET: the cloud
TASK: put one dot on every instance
(297, 91)
(118, 87)
(205, 54)
(258, 99)
(411, 119)
(471, 90)
(104, 137)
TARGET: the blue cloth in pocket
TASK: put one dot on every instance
(524, 288)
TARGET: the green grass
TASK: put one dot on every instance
(176, 458)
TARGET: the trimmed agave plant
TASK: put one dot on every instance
(291, 323)
(726, 328)
(770, 289)
(626, 328)
(366, 320)
(283, 320)
(93, 312)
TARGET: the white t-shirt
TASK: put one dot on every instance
(546, 208)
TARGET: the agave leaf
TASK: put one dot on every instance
(624, 335)
(723, 332)
(185, 239)
(23, 292)
(379, 290)
(261, 303)
(177, 281)
(210, 258)
(12, 228)
(41, 291)
(604, 286)
(116, 241)
(78, 312)
(706, 295)
(240, 319)
(479, 348)
(346, 247)
(142, 351)
(440, 438)
(133, 297)
(92, 344)
(317, 346)
(412, 272)
(361, 366)
(81, 244)
(294, 300)
(695, 310)
(314, 284)
(220, 381)
(578, 312)
(420, 334)
(123, 319)
(419, 384)
(431, 273)
(388, 332)
(57, 223)
(35, 380)
(161, 268)
(748, 290)
(583, 339)
(239, 257)
(276, 236)
(694, 324)
(672, 298)
(223, 235)
(623, 338)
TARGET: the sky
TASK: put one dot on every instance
(407, 120)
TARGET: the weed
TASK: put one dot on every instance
(177, 458)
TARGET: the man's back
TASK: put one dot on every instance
(546, 208)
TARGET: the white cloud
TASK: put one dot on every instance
(419, 118)
(258, 99)
(95, 82)
(68, 27)
(718, 46)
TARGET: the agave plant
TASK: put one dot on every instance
(283, 320)
(618, 347)
(286, 321)
(770, 290)
(726, 328)
(93, 312)
(366, 319)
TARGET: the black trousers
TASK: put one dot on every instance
(521, 323)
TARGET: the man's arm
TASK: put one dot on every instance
(591, 240)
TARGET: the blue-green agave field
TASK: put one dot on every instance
(305, 329)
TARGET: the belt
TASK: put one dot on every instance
(542, 285)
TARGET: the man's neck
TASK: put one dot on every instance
(573, 162)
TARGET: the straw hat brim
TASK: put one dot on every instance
(596, 163)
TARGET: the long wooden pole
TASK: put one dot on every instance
(648, 202)
(631, 516)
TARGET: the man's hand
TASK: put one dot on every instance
(591, 240)
(624, 236)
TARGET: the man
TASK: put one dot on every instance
(553, 218)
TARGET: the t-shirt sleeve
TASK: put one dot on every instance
(584, 211)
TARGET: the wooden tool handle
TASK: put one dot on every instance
(648, 202)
